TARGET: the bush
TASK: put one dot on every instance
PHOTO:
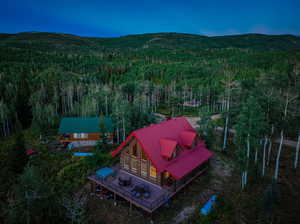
(73, 175)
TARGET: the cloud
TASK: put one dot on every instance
(263, 29)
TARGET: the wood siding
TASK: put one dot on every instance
(134, 161)
(90, 136)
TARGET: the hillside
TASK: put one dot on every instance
(251, 82)
(56, 41)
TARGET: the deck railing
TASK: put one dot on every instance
(151, 205)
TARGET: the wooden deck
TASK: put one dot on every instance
(159, 195)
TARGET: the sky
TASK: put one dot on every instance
(112, 18)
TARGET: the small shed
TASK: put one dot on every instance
(85, 129)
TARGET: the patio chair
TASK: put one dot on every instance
(147, 192)
(135, 193)
(125, 182)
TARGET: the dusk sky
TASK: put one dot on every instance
(122, 17)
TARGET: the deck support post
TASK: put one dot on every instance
(151, 218)
(115, 203)
(130, 209)
(92, 187)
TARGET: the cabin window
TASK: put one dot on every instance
(176, 152)
(80, 135)
(144, 169)
(134, 150)
(153, 172)
(134, 165)
(126, 162)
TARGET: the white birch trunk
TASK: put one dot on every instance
(297, 152)
(226, 123)
(256, 156)
(243, 174)
(278, 157)
(281, 140)
(264, 157)
(269, 151)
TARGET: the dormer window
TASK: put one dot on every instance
(176, 152)
(188, 139)
(169, 148)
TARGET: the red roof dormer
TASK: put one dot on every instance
(167, 147)
(187, 138)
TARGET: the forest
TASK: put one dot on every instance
(252, 81)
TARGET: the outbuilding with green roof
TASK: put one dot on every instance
(85, 128)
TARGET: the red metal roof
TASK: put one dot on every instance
(189, 161)
(187, 138)
(167, 147)
(150, 137)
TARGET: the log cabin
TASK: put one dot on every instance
(165, 156)
(163, 153)
(82, 129)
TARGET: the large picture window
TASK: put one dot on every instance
(144, 168)
(134, 165)
(126, 162)
(153, 172)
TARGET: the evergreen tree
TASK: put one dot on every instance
(250, 129)
(102, 144)
(206, 128)
(35, 201)
(17, 157)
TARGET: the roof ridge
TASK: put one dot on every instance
(161, 123)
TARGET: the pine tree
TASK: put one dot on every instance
(250, 129)
(17, 157)
(34, 199)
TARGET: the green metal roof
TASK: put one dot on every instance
(83, 124)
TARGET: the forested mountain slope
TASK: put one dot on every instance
(56, 41)
(41, 70)
(252, 81)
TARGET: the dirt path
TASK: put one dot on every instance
(220, 173)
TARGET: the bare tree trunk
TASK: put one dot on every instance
(278, 157)
(256, 156)
(297, 152)
(269, 151)
(226, 128)
(243, 180)
(264, 157)
(248, 161)
(281, 139)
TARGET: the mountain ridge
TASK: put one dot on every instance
(169, 40)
